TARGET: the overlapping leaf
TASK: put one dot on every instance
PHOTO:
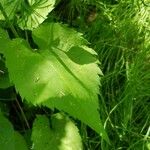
(60, 134)
(52, 77)
(6, 134)
(10, 139)
(20, 143)
(35, 12)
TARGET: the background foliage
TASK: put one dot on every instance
(112, 82)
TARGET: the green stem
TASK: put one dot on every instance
(7, 20)
(22, 113)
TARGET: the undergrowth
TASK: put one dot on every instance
(119, 32)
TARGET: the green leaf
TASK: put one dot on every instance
(56, 35)
(3, 34)
(49, 77)
(6, 134)
(61, 134)
(35, 13)
(4, 40)
(20, 143)
(80, 55)
(10, 139)
(9, 7)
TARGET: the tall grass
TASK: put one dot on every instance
(120, 33)
(121, 37)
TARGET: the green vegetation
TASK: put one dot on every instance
(75, 75)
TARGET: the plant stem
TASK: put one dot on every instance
(22, 113)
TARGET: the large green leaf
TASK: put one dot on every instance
(49, 77)
(60, 134)
(35, 12)
(10, 139)
(9, 7)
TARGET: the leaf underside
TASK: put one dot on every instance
(35, 13)
(50, 76)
